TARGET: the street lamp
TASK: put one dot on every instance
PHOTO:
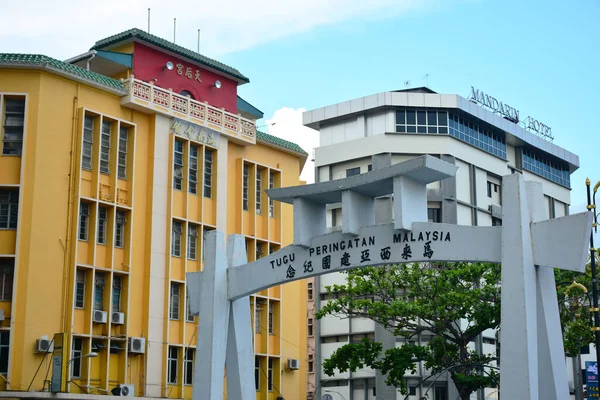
(592, 207)
(333, 391)
(88, 355)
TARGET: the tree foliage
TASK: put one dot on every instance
(447, 304)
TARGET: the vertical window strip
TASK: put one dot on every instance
(172, 362)
(175, 297)
(7, 271)
(14, 124)
(122, 161)
(208, 165)
(102, 224)
(270, 374)
(257, 373)
(9, 208)
(258, 190)
(193, 173)
(4, 348)
(271, 201)
(271, 317)
(178, 165)
(80, 289)
(99, 284)
(120, 229)
(245, 188)
(116, 294)
(192, 241)
(189, 366)
(176, 239)
(88, 142)
(105, 148)
(76, 354)
(84, 219)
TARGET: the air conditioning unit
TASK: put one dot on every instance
(293, 363)
(100, 316)
(44, 346)
(117, 318)
(123, 390)
(137, 345)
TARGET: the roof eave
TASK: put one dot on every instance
(302, 156)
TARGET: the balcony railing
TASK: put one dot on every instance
(164, 101)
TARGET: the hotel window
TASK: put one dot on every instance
(192, 244)
(88, 142)
(311, 363)
(434, 215)
(271, 201)
(14, 122)
(80, 289)
(208, 165)
(176, 239)
(352, 171)
(7, 271)
(257, 373)
(245, 188)
(105, 148)
(271, 317)
(421, 121)
(174, 301)
(193, 178)
(76, 354)
(123, 140)
(258, 190)
(178, 165)
(310, 326)
(9, 208)
(487, 139)
(116, 294)
(270, 374)
(189, 317)
(257, 316)
(102, 215)
(547, 167)
(4, 347)
(120, 229)
(172, 362)
(188, 368)
(99, 284)
(84, 220)
(310, 290)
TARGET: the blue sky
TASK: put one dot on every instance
(540, 57)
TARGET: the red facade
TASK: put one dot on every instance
(148, 64)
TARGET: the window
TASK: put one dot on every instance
(245, 188)
(412, 390)
(174, 301)
(259, 250)
(258, 190)
(84, 217)
(99, 284)
(80, 289)
(311, 363)
(176, 239)
(271, 317)
(352, 171)
(489, 189)
(188, 373)
(192, 241)
(172, 362)
(116, 294)
(440, 393)
(4, 346)
(271, 201)
(120, 229)
(310, 327)
(370, 168)
(547, 167)
(208, 164)
(421, 121)
(14, 122)
(193, 165)
(105, 148)
(257, 373)
(7, 271)
(434, 215)
(310, 290)
(178, 165)
(270, 374)
(186, 93)
(123, 139)
(257, 317)
(102, 215)
(88, 142)
(483, 137)
(189, 317)
(76, 353)
(9, 208)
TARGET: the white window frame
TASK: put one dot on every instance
(188, 367)
(120, 220)
(76, 356)
(122, 159)
(116, 293)
(193, 170)
(258, 190)
(9, 208)
(80, 285)
(172, 364)
(245, 178)
(17, 137)
(176, 232)
(105, 147)
(99, 283)
(175, 301)
(178, 164)
(102, 224)
(84, 221)
(271, 201)
(88, 143)
(208, 166)
(271, 321)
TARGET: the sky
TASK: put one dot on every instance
(540, 57)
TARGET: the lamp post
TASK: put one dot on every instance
(592, 207)
(88, 355)
(333, 391)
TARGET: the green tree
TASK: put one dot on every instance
(451, 303)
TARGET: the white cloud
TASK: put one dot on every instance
(64, 28)
(286, 123)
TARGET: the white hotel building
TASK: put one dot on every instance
(395, 126)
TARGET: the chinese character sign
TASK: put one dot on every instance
(195, 132)
(188, 72)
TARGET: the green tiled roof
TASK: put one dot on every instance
(42, 61)
(165, 44)
(285, 144)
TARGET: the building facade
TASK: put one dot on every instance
(114, 166)
(359, 135)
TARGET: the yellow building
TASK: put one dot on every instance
(113, 166)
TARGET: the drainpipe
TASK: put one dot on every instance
(87, 63)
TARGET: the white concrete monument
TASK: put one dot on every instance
(533, 366)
